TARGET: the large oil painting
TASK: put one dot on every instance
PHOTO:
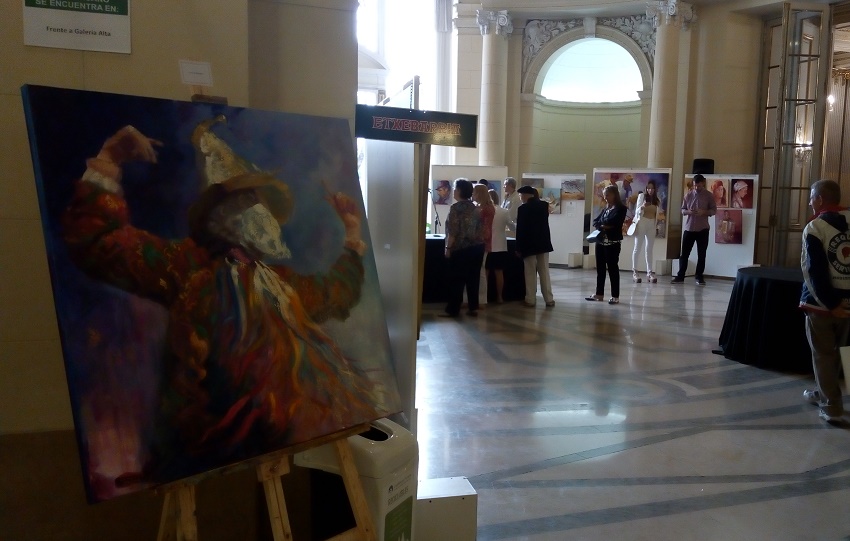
(214, 282)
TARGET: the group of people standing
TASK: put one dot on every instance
(477, 225)
(698, 205)
(476, 243)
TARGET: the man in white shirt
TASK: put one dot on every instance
(511, 202)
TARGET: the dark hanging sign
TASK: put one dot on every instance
(413, 126)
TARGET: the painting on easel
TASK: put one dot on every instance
(214, 282)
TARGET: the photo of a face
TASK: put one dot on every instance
(720, 190)
(742, 193)
(442, 194)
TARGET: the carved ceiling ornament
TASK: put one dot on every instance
(540, 32)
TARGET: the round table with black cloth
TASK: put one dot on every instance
(764, 325)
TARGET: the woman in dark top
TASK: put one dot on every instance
(464, 249)
(610, 225)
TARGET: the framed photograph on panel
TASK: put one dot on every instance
(553, 197)
(441, 193)
(742, 193)
(719, 187)
(730, 226)
(535, 183)
(572, 189)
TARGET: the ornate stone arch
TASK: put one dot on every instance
(532, 80)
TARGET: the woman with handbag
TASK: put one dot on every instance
(609, 223)
(645, 228)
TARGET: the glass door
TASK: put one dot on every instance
(797, 56)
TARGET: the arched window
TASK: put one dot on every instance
(592, 70)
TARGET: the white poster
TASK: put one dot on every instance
(88, 25)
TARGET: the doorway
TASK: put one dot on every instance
(803, 128)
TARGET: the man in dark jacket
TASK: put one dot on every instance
(825, 260)
(533, 244)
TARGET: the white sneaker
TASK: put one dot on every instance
(829, 418)
(812, 396)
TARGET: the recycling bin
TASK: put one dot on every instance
(387, 458)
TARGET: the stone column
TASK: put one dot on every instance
(666, 128)
(495, 28)
(466, 79)
(662, 124)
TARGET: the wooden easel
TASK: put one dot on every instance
(178, 522)
(178, 514)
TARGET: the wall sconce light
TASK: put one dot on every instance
(672, 12)
(831, 101)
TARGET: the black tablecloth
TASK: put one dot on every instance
(764, 326)
(436, 273)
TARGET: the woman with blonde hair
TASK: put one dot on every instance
(481, 198)
(610, 225)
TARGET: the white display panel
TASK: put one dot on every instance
(724, 259)
(566, 224)
(438, 213)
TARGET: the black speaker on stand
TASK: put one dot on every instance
(703, 166)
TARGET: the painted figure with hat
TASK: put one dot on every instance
(443, 193)
(248, 368)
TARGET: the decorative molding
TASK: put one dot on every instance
(540, 32)
(841, 73)
(487, 20)
(671, 12)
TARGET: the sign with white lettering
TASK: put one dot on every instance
(87, 25)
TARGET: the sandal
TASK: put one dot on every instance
(636, 276)
(594, 298)
(614, 300)
(651, 278)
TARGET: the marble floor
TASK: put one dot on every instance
(587, 421)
